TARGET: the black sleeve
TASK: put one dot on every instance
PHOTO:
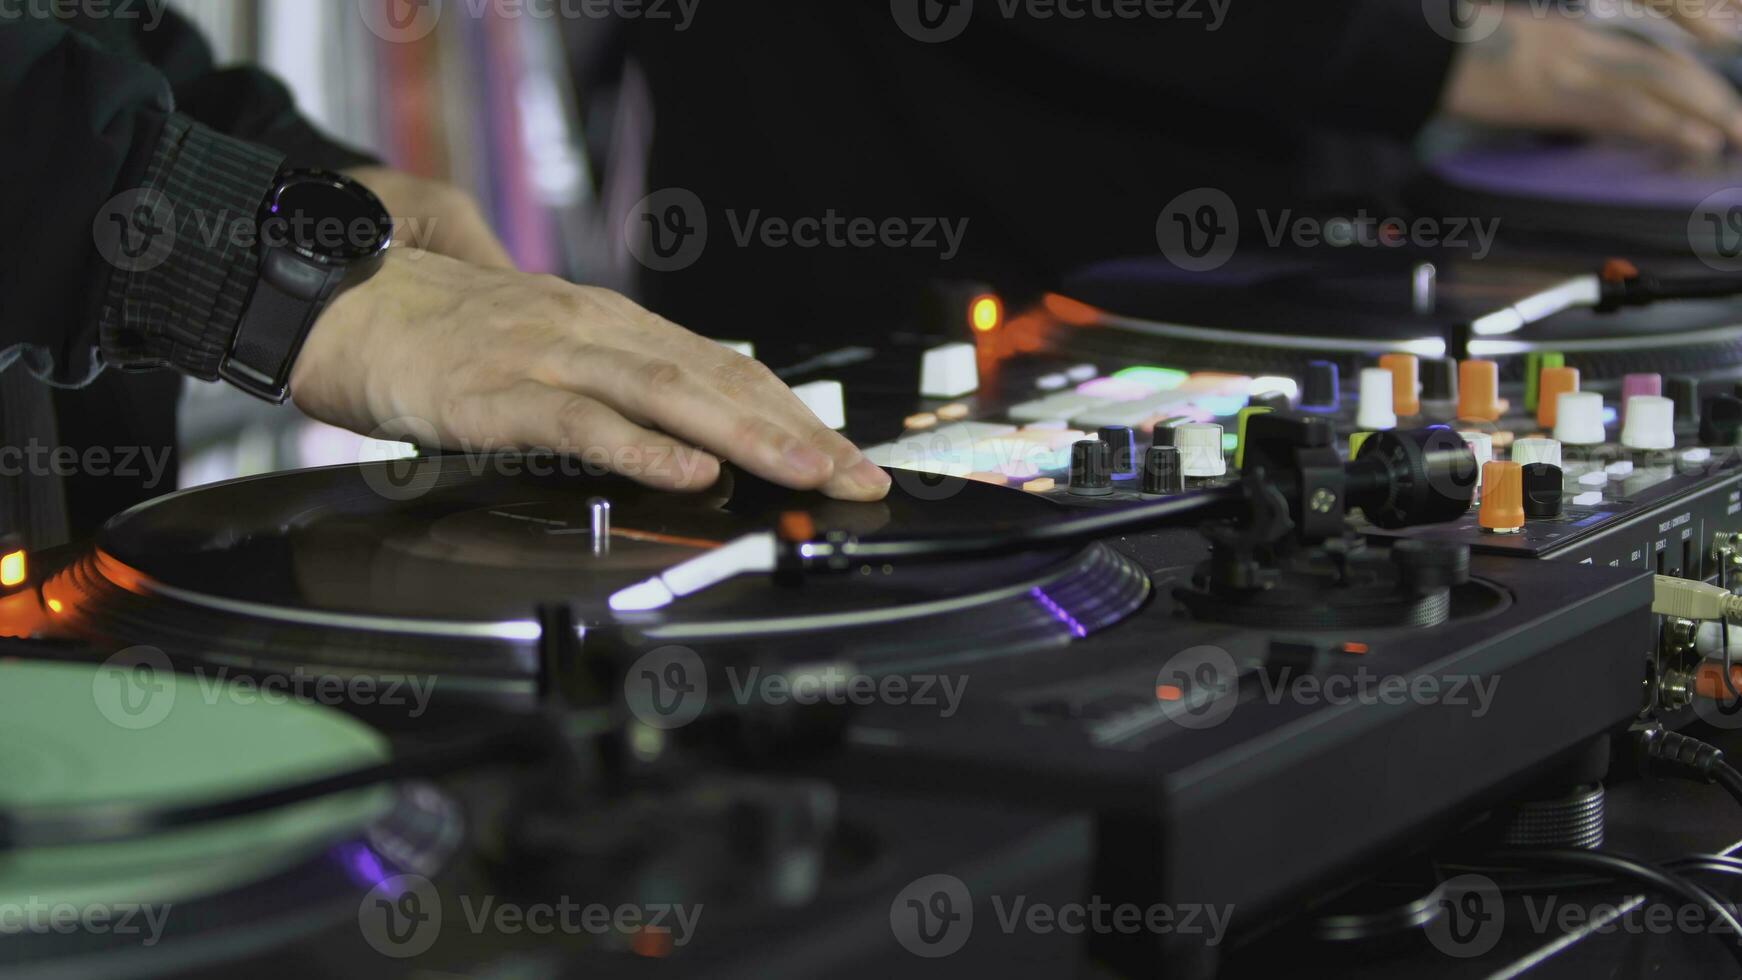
(242, 102)
(128, 224)
(1359, 65)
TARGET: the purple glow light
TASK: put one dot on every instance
(1059, 613)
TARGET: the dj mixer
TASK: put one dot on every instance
(1187, 623)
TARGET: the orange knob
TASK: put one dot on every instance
(1479, 390)
(1556, 381)
(1405, 382)
(1502, 496)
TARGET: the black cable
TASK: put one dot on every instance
(1690, 758)
(107, 822)
(1622, 866)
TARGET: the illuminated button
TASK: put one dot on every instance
(1153, 378)
(1405, 383)
(1374, 411)
(1590, 498)
(1597, 479)
(923, 420)
(1649, 423)
(1528, 451)
(827, 400)
(1046, 425)
(1082, 373)
(1356, 440)
(1479, 391)
(953, 413)
(1695, 457)
(1502, 508)
(950, 371)
(1534, 362)
(1052, 382)
(12, 568)
(1620, 470)
(1042, 485)
(981, 476)
(1288, 388)
(985, 313)
(1200, 447)
(1482, 444)
(1578, 417)
(1240, 433)
(1217, 383)
(1113, 389)
(1555, 382)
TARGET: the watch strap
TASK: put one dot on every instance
(287, 300)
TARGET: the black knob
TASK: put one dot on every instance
(1439, 379)
(1162, 434)
(1721, 420)
(1685, 392)
(1320, 390)
(1091, 468)
(1123, 443)
(1415, 476)
(1163, 473)
(1542, 490)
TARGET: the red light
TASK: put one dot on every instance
(986, 313)
(1169, 692)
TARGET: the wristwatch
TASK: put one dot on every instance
(320, 233)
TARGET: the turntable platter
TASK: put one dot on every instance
(424, 564)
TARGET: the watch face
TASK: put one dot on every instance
(326, 217)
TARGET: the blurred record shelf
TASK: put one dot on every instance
(483, 101)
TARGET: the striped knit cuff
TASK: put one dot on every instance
(183, 251)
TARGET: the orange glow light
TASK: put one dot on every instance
(1168, 692)
(54, 606)
(986, 313)
(12, 570)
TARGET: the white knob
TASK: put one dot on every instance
(1650, 423)
(1375, 412)
(1528, 451)
(1200, 449)
(950, 371)
(827, 400)
(1482, 444)
(1579, 418)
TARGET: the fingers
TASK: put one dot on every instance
(530, 414)
(673, 397)
(855, 477)
(1713, 22)
(1666, 97)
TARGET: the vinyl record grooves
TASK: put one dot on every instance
(438, 565)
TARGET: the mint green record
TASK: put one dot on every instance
(79, 734)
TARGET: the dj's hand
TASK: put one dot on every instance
(1553, 73)
(492, 359)
(438, 217)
